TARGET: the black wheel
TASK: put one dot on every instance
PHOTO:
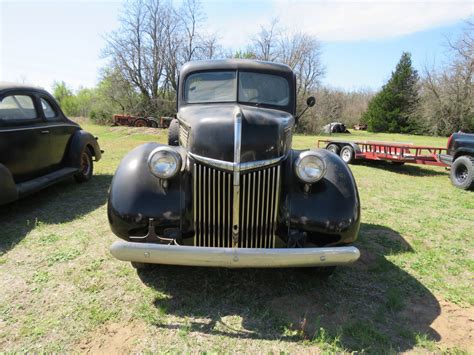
(140, 122)
(347, 154)
(462, 172)
(141, 266)
(173, 133)
(153, 124)
(333, 148)
(86, 168)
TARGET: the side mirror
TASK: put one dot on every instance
(310, 101)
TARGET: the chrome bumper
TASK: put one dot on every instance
(233, 257)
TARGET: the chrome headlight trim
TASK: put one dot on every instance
(306, 158)
(174, 162)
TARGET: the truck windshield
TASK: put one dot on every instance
(221, 86)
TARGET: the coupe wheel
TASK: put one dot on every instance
(347, 154)
(333, 148)
(86, 168)
(462, 172)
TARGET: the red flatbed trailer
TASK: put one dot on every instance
(395, 152)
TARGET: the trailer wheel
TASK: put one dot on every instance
(333, 148)
(173, 133)
(347, 154)
(462, 172)
(140, 122)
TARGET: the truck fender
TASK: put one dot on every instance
(328, 211)
(136, 195)
(8, 189)
(80, 140)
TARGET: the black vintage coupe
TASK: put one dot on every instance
(38, 144)
(233, 192)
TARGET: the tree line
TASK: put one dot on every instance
(155, 38)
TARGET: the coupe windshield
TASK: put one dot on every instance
(257, 88)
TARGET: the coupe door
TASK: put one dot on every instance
(22, 138)
(60, 132)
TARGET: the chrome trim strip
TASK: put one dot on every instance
(220, 164)
(232, 257)
(236, 175)
(260, 163)
(229, 166)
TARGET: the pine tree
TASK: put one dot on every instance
(394, 108)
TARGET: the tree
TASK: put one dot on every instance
(447, 93)
(394, 108)
(65, 98)
(153, 41)
(300, 51)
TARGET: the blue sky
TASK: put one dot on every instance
(43, 41)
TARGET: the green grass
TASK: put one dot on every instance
(62, 291)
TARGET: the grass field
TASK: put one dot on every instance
(412, 290)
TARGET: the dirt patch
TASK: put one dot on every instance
(115, 338)
(454, 327)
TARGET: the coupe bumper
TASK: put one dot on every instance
(233, 257)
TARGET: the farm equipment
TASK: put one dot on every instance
(360, 127)
(139, 121)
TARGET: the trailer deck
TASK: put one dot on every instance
(388, 151)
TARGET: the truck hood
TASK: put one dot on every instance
(266, 133)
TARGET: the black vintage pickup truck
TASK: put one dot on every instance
(234, 193)
(461, 158)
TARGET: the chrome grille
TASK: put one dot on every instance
(183, 136)
(213, 201)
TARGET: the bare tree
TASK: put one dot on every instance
(153, 41)
(300, 51)
(447, 93)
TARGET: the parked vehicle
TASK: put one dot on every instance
(459, 155)
(234, 193)
(335, 127)
(139, 121)
(38, 144)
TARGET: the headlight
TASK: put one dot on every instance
(310, 167)
(164, 162)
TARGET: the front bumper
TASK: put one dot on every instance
(233, 257)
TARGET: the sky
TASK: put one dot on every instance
(46, 41)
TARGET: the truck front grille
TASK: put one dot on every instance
(213, 207)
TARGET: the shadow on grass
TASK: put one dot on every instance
(405, 169)
(372, 305)
(62, 202)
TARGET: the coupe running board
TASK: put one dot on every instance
(41, 182)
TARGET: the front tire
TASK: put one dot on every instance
(86, 168)
(347, 154)
(173, 133)
(462, 172)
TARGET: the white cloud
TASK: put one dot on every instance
(365, 20)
